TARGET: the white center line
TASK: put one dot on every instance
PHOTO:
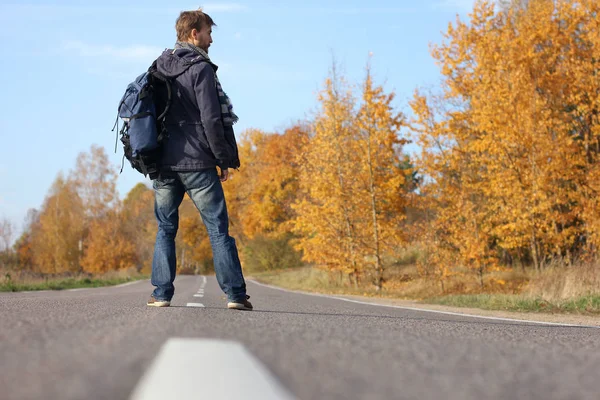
(194, 305)
(200, 292)
(176, 373)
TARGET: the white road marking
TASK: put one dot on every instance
(227, 371)
(77, 290)
(200, 291)
(36, 291)
(425, 310)
(129, 283)
(194, 305)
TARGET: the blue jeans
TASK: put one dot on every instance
(205, 190)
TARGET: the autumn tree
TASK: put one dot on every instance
(353, 181)
(240, 184)
(193, 243)
(382, 179)
(83, 206)
(260, 196)
(327, 211)
(24, 251)
(108, 247)
(95, 180)
(57, 240)
(508, 147)
(274, 171)
(139, 224)
(6, 234)
(23, 245)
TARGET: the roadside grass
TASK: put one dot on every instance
(310, 279)
(306, 279)
(11, 281)
(520, 303)
(553, 290)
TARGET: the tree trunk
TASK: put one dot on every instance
(378, 264)
(534, 253)
(349, 231)
(481, 269)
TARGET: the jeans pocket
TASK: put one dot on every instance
(200, 179)
(162, 183)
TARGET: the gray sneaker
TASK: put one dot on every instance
(240, 305)
(158, 303)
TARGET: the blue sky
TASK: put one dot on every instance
(64, 66)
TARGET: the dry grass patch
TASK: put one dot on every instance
(16, 281)
(556, 289)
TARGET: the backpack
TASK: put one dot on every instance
(143, 109)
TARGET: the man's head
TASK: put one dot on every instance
(195, 27)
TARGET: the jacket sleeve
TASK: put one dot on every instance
(207, 97)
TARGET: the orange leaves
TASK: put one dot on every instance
(510, 148)
(511, 172)
(352, 182)
(325, 221)
(78, 227)
(193, 245)
(107, 247)
(95, 181)
(60, 230)
(276, 183)
(261, 193)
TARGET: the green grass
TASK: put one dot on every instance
(8, 285)
(580, 305)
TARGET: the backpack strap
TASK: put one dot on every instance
(153, 70)
(158, 75)
(167, 83)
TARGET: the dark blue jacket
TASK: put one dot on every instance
(197, 137)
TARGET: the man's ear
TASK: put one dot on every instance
(193, 33)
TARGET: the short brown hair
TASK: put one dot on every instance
(189, 20)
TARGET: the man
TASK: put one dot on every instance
(199, 125)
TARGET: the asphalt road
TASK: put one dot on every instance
(98, 343)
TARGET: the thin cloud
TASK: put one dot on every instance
(360, 10)
(56, 11)
(225, 7)
(461, 5)
(124, 53)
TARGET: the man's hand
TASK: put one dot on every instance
(224, 175)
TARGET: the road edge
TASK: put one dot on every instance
(539, 319)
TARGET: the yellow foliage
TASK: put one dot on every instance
(58, 236)
(510, 146)
(352, 185)
(107, 248)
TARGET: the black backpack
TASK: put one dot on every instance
(143, 109)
